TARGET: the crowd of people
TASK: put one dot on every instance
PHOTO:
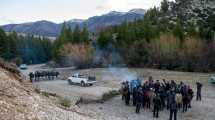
(159, 95)
(38, 75)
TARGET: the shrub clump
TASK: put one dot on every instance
(65, 102)
(109, 95)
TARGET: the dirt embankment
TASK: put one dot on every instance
(19, 101)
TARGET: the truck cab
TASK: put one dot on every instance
(212, 79)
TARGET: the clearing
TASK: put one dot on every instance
(114, 109)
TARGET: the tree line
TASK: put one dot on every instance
(24, 49)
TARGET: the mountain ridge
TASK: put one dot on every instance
(94, 23)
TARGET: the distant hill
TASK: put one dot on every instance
(95, 23)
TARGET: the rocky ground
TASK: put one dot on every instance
(19, 101)
(115, 109)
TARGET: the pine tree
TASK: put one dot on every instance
(65, 37)
(77, 34)
(85, 35)
(69, 34)
(12, 39)
(3, 43)
(178, 30)
(104, 39)
(164, 6)
(65, 34)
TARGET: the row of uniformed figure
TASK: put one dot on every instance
(160, 95)
(38, 75)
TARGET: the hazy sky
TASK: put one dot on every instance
(18, 11)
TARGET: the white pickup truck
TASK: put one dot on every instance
(81, 79)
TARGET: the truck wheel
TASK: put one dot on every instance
(82, 83)
(70, 82)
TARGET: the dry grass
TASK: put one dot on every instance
(65, 102)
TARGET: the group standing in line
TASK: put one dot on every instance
(38, 75)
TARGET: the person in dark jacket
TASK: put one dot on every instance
(157, 86)
(134, 96)
(173, 106)
(167, 85)
(49, 75)
(157, 103)
(139, 98)
(162, 96)
(173, 85)
(151, 82)
(199, 89)
(190, 96)
(123, 90)
(127, 94)
(168, 100)
(143, 96)
(31, 76)
(37, 76)
(185, 100)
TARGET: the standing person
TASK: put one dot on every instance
(185, 100)
(199, 89)
(148, 98)
(168, 99)
(178, 98)
(49, 75)
(143, 95)
(57, 73)
(157, 86)
(31, 76)
(123, 90)
(134, 95)
(151, 82)
(173, 106)
(173, 85)
(157, 103)
(36, 76)
(190, 96)
(162, 96)
(127, 94)
(139, 99)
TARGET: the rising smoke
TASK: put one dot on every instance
(111, 58)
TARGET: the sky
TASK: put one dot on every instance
(20, 11)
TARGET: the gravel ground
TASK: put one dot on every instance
(115, 109)
(73, 92)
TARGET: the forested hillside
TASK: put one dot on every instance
(177, 36)
(28, 49)
(168, 37)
